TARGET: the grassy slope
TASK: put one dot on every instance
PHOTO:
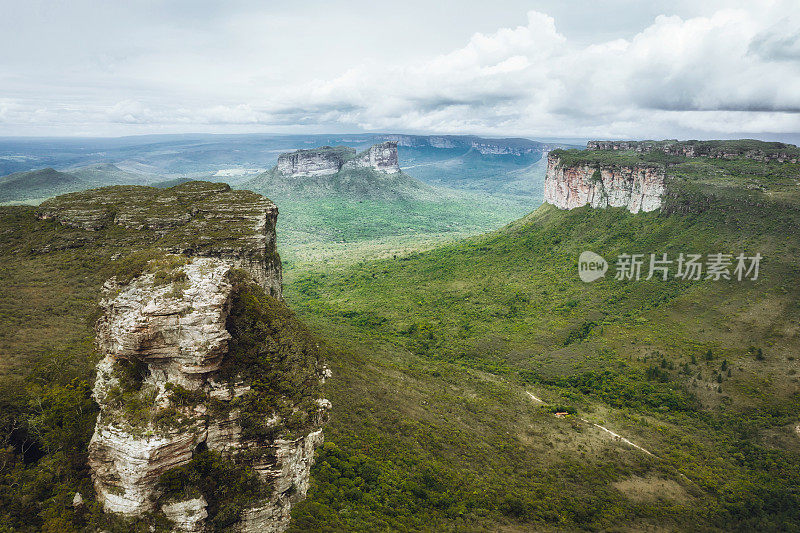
(38, 184)
(443, 345)
(343, 229)
(432, 428)
(360, 184)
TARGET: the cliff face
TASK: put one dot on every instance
(637, 187)
(316, 162)
(332, 160)
(748, 149)
(196, 218)
(181, 391)
(381, 157)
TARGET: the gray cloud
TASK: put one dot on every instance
(661, 69)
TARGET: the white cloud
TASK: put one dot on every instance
(727, 71)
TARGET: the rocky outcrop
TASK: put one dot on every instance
(637, 187)
(746, 148)
(294, 459)
(169, 390)
(315, 162)
(381, 157)
(195, 218)
(373, 174)
(332, 160)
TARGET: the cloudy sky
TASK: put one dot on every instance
(550, 68)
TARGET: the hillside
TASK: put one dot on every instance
(487, 337)
(38, 184)
(101, 174)
(358, 184)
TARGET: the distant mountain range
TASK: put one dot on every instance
(48, 182)
(38, 184)
(511, 166)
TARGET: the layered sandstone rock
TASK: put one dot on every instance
(165, 395)
(381, 157)
(636, 187)
(329, 160)
(195, 218)
(314, 162)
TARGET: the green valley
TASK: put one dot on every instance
(477, 384)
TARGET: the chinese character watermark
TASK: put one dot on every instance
(688, 267)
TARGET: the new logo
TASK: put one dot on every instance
(591, 266)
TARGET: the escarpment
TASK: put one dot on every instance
(196, 218)
(671, 176)
(210, 399)
(341, 172)
(743, 148)
(484, 146)
(381, 157)
(329, 160)
(316, 162)
(637, 187)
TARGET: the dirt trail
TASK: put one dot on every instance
(618, 437)
(615, 436)
(535, 399)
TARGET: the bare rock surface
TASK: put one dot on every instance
(381, 157)
(178, 332)
(187, 515)
(637, 187)
(314, 162)
(164, 399)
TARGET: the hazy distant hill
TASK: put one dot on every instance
(459, 161)
(38, 184)
(48, 182)
(110, 174)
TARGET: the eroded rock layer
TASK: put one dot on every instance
(314, 162)
(636, 187)
(329, 160)
(381, 157)
(183, 396)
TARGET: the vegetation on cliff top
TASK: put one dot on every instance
(732, 146)
(344, 153)
(194, 217)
